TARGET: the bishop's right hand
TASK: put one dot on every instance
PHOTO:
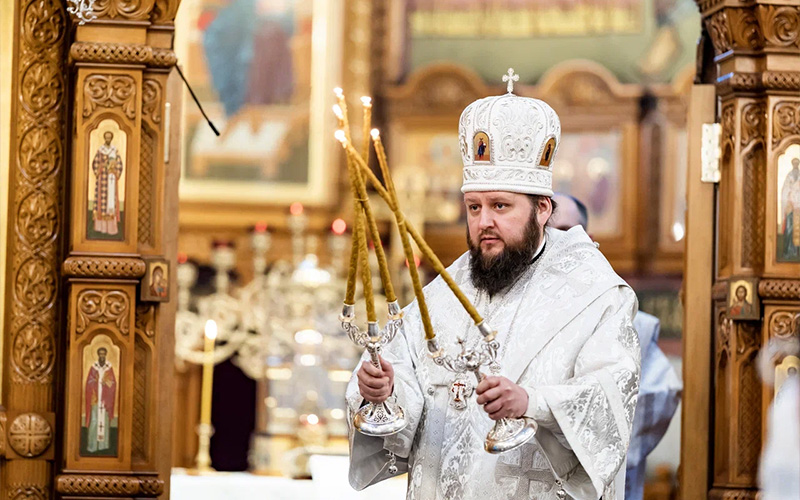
(375, 384)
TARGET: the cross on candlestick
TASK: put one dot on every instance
(510, 77)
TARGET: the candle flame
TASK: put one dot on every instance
(312, 419)
(338, 91)
(261, 227)
(182, 258)
(296, 208)
(211, 329)
(375, 133)
(337, 110)
(339, 226)
(366, 101)
(340, 136)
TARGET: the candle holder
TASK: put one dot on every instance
(387, 418)
(507, 433)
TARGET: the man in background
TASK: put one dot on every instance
(659, 389)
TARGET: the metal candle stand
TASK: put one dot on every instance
(507, 433)
(387, 418)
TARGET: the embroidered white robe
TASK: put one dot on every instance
(566, 336)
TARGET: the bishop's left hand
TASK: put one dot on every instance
(501, 398)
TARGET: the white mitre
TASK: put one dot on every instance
(508, 143)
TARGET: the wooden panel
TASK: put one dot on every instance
(695, 453)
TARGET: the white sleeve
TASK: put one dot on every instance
(369, 457)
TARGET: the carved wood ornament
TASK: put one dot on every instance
(760, 117)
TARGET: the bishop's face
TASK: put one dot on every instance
(498, 219)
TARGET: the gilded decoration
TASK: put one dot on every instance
(103, 306)
(109, 485)
(87, 266)
(109, 91)
(30, 434)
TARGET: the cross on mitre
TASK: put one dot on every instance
(510, 77)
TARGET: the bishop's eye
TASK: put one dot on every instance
(473, 208)
(500, 206)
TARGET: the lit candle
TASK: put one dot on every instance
(208, 371)
(366, 102)
(205, 430)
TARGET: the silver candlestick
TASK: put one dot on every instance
(387, 418)
(507, 433)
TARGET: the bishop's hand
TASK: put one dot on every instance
(501, 398)
(375, 384)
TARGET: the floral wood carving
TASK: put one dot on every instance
(749, 411)
(131, 10)
(109, 485)
(728, 122)
(109, 91)
(779, 289)
(781, 25)
(754, 117)
(29, 435)
(164, 11)
(726, 494)
(103, 306)
(784, 324)
(27, 492)
(151, 99)
(718, 29)
(146, 320)
(746, 337)
(724, 325)
(87, 266)
(785, 120)
(745, 30)
(33, 353)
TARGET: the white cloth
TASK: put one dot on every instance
(659, 395)
(566, 335)
(779, 473)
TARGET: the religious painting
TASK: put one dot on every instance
(155, 284)
(100, 398)
(788, 236)
(651, 40)
(588, 166)
(252, 64)
(481, 147)
(105, 218)
(743, 301)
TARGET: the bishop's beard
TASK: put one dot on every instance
(494, 274)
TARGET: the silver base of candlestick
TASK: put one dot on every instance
(509, 433)
(387, 418)
(383, 419)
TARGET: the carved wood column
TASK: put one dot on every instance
(757, 60)
(117, 279)
(33, 326)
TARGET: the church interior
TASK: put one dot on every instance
(176, 220)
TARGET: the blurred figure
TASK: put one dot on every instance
(659, 387)
(779, 471)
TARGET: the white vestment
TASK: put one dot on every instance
(566, 335)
